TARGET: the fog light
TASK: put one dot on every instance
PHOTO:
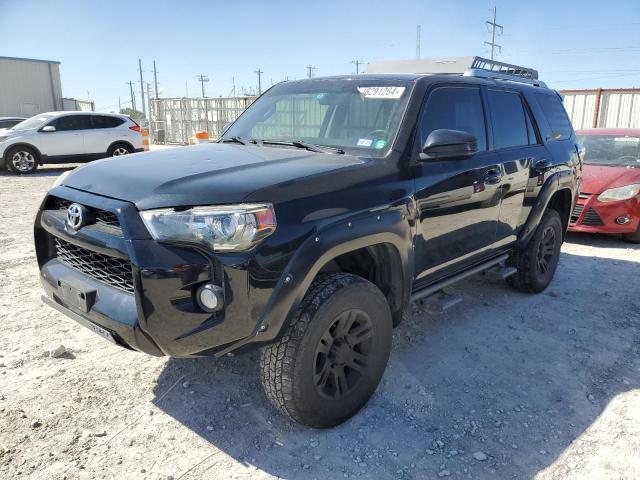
(210, 297)
(623, 220)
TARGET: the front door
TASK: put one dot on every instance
(67, 140)
(458, 200)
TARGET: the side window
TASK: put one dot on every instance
(101, 121)
(97, 121)
(508, 119)
(71, 122)
(531, 130)
(455, 108)
(556, 115)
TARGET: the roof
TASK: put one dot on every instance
(82, 112)
(19, 59)
(629, 132)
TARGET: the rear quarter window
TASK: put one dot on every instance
(556, 115)
(100, 121)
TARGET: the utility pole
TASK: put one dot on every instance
(494, 27)
(202, 79)
(133, 98)
(310, 69)
(144, 108)
(357, 63)
(418, 41)
(259, 73)
(149, 98)
(155, 78)
(119, 105)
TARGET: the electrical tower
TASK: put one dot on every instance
(202, 79)
(357, 63)
(494, 27)
(133, 99)
(418, 40)
(144, 108)
(310, 68)
(155, 78)
(259, 73)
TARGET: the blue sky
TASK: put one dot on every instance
(573, 43)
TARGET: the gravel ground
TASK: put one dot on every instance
(503, 385)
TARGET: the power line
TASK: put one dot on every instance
(259, 73)
(357, 63)
(494, 27)
(310, 69)
(202, 79)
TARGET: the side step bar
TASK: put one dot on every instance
(436, 287)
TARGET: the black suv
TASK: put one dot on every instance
(322, 212)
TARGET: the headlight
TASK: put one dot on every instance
(221, 228)
(620, 193)
(61, 178)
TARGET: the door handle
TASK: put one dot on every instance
(492, 176)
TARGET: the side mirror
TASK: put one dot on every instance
(225, 127)
(48, 128)
(444, 144)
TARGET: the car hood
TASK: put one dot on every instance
(598, 178)
(203, 174)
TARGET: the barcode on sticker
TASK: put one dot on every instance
(381, 92)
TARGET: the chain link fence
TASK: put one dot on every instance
(175, 120)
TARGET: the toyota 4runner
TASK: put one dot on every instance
(308, 228)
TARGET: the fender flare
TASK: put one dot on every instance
(562, 180)
(389, 227)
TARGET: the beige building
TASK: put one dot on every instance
(29, 87)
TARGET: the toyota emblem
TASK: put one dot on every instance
(76, 216)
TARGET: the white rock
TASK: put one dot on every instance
(57, 352)
(480, 456)
(444, 473)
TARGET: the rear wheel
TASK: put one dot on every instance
(333, 354)
(537, 261)
(119, 149)
(632, 237)
(22, 160)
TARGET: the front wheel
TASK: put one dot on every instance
(333, 354)
(22, 160)
(537, 261)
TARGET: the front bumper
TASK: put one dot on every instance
(593, 216)
(154, 309)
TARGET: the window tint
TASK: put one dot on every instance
(455, 108)
(556, 116)
(102, 121)
(9, 123)
(531, 130)
(508, 120)
(71, 122)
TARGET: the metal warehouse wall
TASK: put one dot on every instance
(28, 87)
(604, 108)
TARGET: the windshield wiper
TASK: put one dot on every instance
(312, 147)
(239, 140)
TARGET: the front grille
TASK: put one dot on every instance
(577, 211)
(100, 217)
(592, 218)
(104, 268)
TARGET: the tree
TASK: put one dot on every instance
(134, 114)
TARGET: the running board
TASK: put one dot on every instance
(436, 287)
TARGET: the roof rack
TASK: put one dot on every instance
(485, 68)
(468, 66)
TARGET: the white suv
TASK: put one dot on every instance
(68, 137)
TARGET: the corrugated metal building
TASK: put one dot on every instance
(29, 86)
(603, 108)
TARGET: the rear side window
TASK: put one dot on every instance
(556, 115)
(508, 119)
(101, 121)
(455, 108)
(72, 122)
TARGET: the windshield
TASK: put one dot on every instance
(357, 116)
(33, 122)
(611, 149)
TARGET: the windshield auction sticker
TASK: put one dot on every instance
(381, 92)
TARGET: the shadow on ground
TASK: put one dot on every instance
(518, 377)
(47, 171)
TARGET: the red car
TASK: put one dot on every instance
(609, 200)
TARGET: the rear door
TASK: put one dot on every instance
(458, 200)
(68, 138)
(102, 133)
(517, 140)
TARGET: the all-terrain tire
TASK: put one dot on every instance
(537, 261)
(632, 237)
(294, 370)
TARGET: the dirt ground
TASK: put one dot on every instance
(503, 385)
